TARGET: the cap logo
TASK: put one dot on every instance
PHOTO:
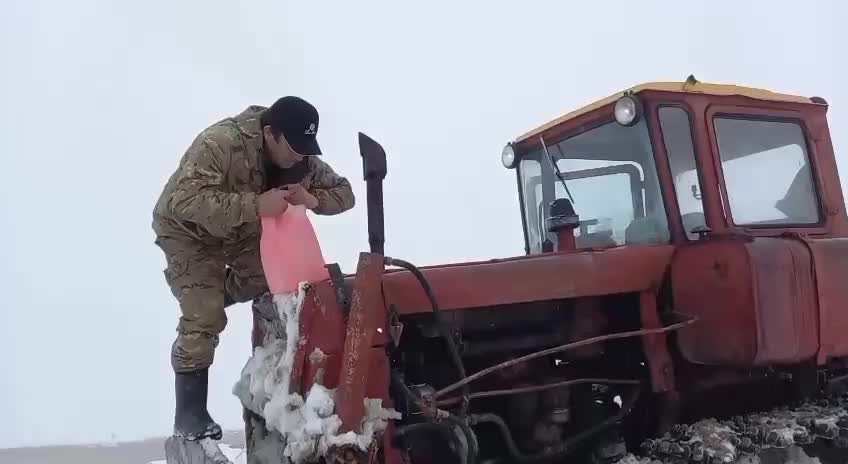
(311, 130)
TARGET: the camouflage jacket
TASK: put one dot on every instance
(212, 196)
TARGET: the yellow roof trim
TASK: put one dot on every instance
(677, 87)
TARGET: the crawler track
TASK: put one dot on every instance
(816, 431)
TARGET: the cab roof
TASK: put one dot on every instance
(689, 86)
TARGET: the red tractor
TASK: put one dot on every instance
(685, 246)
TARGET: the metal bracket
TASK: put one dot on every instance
(395, 325)
(337, 279)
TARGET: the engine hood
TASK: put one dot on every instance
(533, 278)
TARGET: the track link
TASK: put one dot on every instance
(712, 441)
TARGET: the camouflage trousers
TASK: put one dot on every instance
(198, 277)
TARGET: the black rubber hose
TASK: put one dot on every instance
(442, 427)
(437, 315)
(562, 448)
(497, 421)
(400, 386)
(404, 430)
(470, 437)
(398, 382)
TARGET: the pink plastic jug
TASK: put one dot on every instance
(289, 251)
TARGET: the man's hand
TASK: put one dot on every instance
(300, 196)
(272, 203)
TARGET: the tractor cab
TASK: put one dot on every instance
(674, 162)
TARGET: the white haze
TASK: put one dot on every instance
(99, 98)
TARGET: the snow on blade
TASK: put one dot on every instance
(264, 384)
(308, 426)
(376, 419)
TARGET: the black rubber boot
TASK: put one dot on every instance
(192, 420)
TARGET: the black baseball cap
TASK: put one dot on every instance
(297, 120)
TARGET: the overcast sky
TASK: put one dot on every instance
(99, 99)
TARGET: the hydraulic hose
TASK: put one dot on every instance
(562, 448)
(462, 384)
(440, 322)
(441, 421)
(470, 437)
(446, 427)
(441, 427)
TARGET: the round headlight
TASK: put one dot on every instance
(508, 156)
(627, 110)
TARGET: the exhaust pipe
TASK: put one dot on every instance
(374, 171)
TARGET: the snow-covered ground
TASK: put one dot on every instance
(235, 455)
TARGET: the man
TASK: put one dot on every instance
(207, 222)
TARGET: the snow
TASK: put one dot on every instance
(716, 440)
(264, 384)
(234, 455)
(376, 419)
(308, 427)
(213, 450)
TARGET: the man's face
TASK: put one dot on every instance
(279, 151)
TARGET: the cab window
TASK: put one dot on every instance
(766, 172)
(677, 137)
(609, 171)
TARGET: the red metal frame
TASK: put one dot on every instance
(656, 345)
(367, 315)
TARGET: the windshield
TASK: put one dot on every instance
(610, 173)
